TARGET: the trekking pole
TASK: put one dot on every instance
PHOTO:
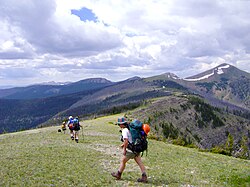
(82, 133)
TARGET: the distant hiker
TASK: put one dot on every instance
(128, 153)
(63, 126)
(77, 127)
(71, 127)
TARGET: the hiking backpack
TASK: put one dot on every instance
(139, 137)
(76, 124)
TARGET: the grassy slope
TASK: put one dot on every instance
(44, 157)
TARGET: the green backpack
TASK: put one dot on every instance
(139, 138)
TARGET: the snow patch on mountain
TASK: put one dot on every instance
(200, 78)
(173, 76)
(218, 70)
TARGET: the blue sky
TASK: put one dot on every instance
(85, 14)
(61, 40)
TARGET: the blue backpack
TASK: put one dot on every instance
(139, 137)
(76, 124)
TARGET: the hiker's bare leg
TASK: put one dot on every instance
(72, 134)
(123, 164)
(141, 165)
(76, 135)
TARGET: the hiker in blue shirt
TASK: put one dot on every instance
(127, 153)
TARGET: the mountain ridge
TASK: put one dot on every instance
(37, 91)
(218, 70)
(225, 82)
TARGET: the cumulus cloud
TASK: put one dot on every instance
(61, 40)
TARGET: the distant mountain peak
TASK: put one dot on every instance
(219, 69)
(95, 80)
(170, 75)
(164, 76)
(223, 64)
(133, 78)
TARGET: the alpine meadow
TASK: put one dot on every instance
(46, 157)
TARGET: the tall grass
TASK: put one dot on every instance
(45, 157)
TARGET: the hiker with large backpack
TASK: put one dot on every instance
(130, 146)
(63, 126)
(71, 127)
(77, 127)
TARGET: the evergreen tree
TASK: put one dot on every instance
(244, 148)
(229, 144)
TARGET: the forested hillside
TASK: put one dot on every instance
(26, 114)
(190, 121)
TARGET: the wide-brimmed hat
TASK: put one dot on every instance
(121, 121)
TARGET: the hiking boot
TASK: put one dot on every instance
(117, 175)
(143, 178)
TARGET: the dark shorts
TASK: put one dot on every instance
(77, 128)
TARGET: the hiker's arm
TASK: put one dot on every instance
(68, 122)
(125, 145)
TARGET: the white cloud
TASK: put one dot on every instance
(42, 41)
